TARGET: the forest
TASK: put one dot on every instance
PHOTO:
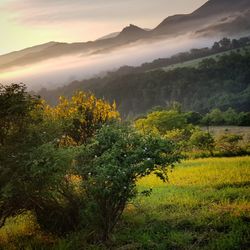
(216, 82)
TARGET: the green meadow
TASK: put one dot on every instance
(204, 205)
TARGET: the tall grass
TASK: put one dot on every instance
(205, 205)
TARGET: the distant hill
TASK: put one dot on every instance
(212, 13)
(218, 81)
(227, 17)
(189, 58)
(111, 35)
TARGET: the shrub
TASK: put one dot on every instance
(202, 140)
(162, 121)
(229, 144)
(110, 166)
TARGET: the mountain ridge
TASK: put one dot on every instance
(204, 21)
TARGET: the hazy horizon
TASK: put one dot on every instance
(32, 22)
(58, 71)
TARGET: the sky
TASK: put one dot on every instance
(25, 23)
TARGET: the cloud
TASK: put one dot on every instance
(47, 11)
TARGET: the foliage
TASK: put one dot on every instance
(228, 117)
(219, 83)
(36, 154)
(193, 118)
(215, 117)
(162, 121)
(244, 119)
(229, 144)
(110, 166)
(15, 112)
(81, 116)
(202, 140)
(16, 107)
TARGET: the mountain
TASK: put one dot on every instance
(224, 17)
(132, 29)
(15, 55)
(111, 35)
(132, 32)
(212, 12)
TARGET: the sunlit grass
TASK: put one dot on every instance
(205, 205)
(205, 172)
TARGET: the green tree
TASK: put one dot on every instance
(110, 166)
(16, 107)
(230, 117)
(203, 140)
(244, 119)
(216, 47)
(225, 43)
(193, 118)
(215, 117)
(15, 112)
(162, 121)
(37, 149)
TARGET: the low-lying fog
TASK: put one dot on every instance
(62, 70)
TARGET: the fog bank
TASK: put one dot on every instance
(62, 70)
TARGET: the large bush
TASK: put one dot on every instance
(203, 141)
(36, 153)
(109, 167)
(162, 121)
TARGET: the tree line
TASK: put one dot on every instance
(215, 83)
(181, 128)
(225, 44)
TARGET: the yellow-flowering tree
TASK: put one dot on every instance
(81, 116)
(36, 153)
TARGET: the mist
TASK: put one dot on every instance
(59, 71)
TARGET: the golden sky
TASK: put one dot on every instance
(25, 23)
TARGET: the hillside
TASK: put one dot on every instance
(189, 58)
(220, 81)
(196, 62)
(213, 12)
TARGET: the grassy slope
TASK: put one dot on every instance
(195, 62)
(205, 205)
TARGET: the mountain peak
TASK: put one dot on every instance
(132, 30)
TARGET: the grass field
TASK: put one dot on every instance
(205, 205)
(195, 62)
